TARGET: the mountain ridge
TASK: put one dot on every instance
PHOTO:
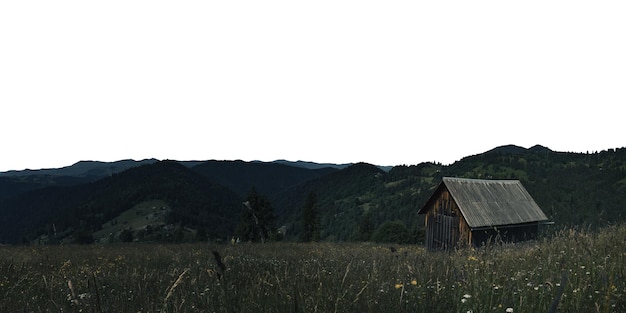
(514, 149)
(100, 168)
(571, 188)
(83, 168)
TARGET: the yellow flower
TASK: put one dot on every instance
(414, 282)
(472, 258)
(398, 286)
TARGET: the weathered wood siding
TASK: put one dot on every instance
(445, 226)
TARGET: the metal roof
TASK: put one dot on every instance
(491, 202)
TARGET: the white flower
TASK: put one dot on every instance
(467, 296)
(509, 310)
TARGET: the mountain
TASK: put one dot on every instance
(573, 189)
(513, 149)
(539, 149)
(239, 175)
(13, 183)
(313, 165)
(193, 199)
(201, 195)
(266, 178)
(83, 169)
(203, 199)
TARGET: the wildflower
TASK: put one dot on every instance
(414, 282)
(398, 286)
(509, 310)
(472, 258)
(465, 297)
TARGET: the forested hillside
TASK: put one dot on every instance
(587, 189)
(581, 189)
(80, 209)
(13, 183)
(360, 202)
(353, 203)
(341, 199)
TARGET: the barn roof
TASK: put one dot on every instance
(490, 202)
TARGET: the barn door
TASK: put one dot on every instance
(442, 232)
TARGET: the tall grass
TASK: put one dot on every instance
(575, 271)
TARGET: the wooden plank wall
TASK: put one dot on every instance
(445, 226)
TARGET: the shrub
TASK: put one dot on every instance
(391, 232)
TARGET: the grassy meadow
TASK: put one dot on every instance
(575, 271)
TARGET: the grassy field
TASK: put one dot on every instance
(146, 213)
(576, 271)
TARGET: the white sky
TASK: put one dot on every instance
(384, 82)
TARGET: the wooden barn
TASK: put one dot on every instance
(470, 212)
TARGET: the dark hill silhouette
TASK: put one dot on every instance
(580, 189)
(267, 178)
(539, 149)
(311, 165)
(513, 149)
(95, 169)
(194, 200)
(13, 183)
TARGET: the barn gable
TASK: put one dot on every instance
(469, 211)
